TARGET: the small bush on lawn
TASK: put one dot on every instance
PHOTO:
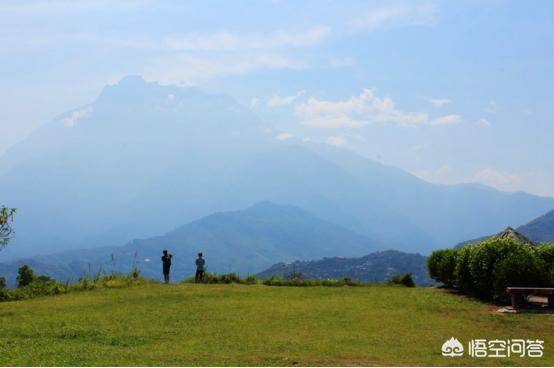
(226, 278)
(31, 285)
(405, 280)
(279, 281)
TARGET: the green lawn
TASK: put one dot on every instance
(191, 324)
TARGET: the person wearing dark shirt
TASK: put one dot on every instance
(166, 261)
(200, 262)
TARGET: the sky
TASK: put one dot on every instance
(450, 91)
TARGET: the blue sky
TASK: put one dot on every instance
(451, 91)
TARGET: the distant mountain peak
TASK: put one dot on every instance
(541, 229)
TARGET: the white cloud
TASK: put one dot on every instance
(69, 121)
(442, 175)
(336, 141)
(446, 120)
(419, 147)
(510, 181)
(192, 58)
(492, 107)
(484, 122)
(193, 69)
(227, 41)
(284, 136)
(281, 101)
(254, 102)
(335, 121)
(495, 178)
(367, 108)
(396, 16)
(68, 6)
(439, 102)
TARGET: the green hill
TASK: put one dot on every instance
(374, 267)
(188, 324)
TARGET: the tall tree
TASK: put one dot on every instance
(6, 229)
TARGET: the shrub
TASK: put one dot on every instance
(294, 275)
(510, 257)
(405, 279)
(25, 276)
(481, 263)
(546, 253)
(229, 278)
(279, 281)
(486, 268)
(442, 264)
(462, 276)
(520, 267)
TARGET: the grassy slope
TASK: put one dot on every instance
(256, 325)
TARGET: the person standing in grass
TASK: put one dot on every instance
(166, 260)
(200, 262)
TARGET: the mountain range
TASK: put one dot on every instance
(144, 158)
(245, 242)
(265, 239)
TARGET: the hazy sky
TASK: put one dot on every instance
(452, 91)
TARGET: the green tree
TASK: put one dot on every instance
(6, 230)
(25, 276)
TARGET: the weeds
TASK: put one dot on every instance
(44, 285)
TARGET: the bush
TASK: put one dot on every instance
(229, 278)
(45, 285)
(462, 276)
(2, 283)
(226, 278)
(405, 279)
(486, 268)
(517, 264)
(25, 276)
(279, 281)
(521, 267)
(546, 253)
(442, 264)
(482, 258)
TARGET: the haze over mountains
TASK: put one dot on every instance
(246, 242)
(144, 158)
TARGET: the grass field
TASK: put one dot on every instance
(192, 324)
